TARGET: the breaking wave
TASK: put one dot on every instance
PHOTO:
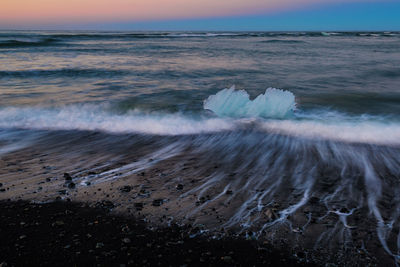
(321, 126)
(95, 118)
(272, 112)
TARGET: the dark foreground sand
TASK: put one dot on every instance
(69, 234)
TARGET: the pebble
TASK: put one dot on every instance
(179, 187)
(126, 240)
(126, 189)
(67, 177)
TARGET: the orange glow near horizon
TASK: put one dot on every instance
(39, 11)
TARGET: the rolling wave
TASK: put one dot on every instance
(20, 44)
(51, 38)
(66, 72)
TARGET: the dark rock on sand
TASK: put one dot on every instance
(126, 188)
(179, 187)
(157, 202)
(62, 192)
(67, 177)
(105, 205)
(138, 205)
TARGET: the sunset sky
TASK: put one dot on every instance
(201, 14)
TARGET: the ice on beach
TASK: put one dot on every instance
(274, 103)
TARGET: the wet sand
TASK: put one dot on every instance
(158, 191)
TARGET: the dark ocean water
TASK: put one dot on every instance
(333, 107)
(335, 77)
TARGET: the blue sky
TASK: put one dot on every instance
(347, 17)
(362, 16)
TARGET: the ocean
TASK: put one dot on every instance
(288, 128)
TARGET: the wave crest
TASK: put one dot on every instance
(274, 103)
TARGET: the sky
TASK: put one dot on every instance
(257, 15)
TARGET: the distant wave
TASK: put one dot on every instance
(274, 103)
(67, 72)
(16, 40)
(283, 41)
(19, 43)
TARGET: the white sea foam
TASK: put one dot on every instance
(271, 112)
(373, 132)
(274, 103)
(94, 118)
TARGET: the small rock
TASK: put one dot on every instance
(126, 188)
(314, 200)
(71, 185)
(126, 240)
(62, 192)
(227, 259)
(179, 187)
(59, 223)
(270, 214)
(99, 245)
(344, 210)
(138, 205)
(22, 237)
(157, 202)
(67, 177)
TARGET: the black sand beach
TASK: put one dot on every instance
(206, 148)
(72, 234)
